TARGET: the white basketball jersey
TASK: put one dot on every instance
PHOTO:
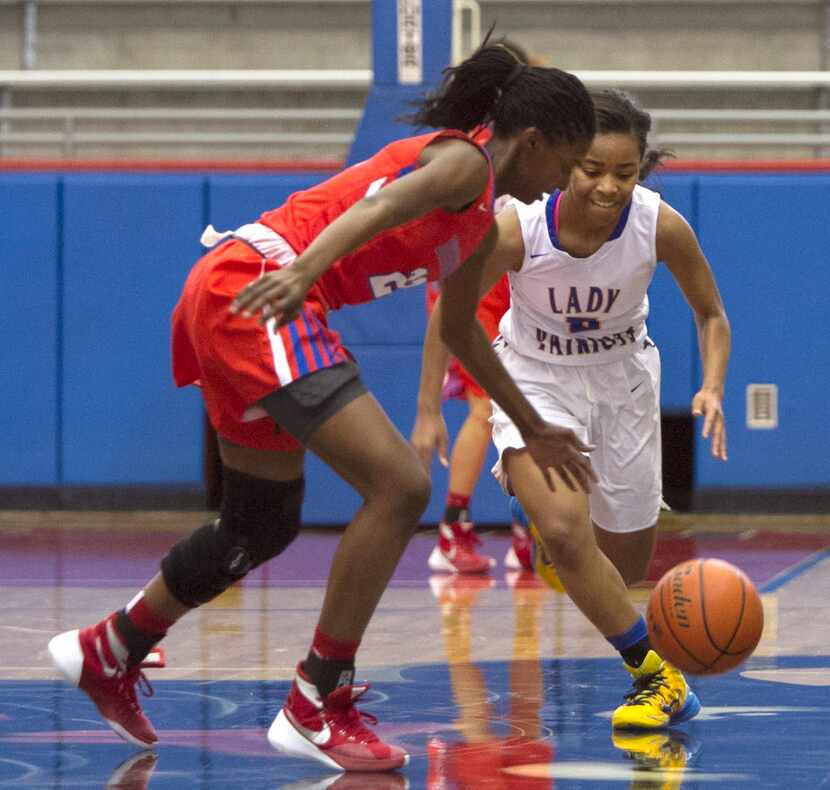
(582, 311)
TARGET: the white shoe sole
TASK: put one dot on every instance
(67, 656)
(439, 563)
(511, 560)
(283, 736)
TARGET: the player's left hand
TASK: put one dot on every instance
(278, 294)
(430, 434)
(707, 404)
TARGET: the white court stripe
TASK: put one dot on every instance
(281, 366)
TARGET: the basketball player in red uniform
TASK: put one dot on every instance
(251, 330)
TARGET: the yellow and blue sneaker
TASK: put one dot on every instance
(660, 697)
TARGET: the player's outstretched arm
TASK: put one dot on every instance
(678, 248)
(452, 176)
(430, 431)
(550, 446)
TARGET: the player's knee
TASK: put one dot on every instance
(258, 520)
(406, 492)
(564, 537)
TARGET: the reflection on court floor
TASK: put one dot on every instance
(490, 683)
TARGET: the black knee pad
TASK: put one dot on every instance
(258, 520)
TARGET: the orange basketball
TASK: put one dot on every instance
(705, 616)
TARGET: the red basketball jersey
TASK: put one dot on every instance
(430, 247)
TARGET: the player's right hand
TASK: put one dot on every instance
(430, 434)
(554, 447)
(278, 294)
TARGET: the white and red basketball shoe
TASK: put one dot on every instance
(456, 550)
(520, 554)
(331, 730)
(94, 660)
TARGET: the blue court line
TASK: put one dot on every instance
(777, 582)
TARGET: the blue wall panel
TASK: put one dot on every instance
(96, 263)
(768, 239)
(28, 327)
(129, 242)
(670, 322)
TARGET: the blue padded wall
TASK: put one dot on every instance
(129, 242)
(768, 239)
(29, 326)
(95, 264)
(670, 322)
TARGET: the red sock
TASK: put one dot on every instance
(331, 649)
(330, 662)
(145, 619)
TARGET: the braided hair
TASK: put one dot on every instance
(496, 87)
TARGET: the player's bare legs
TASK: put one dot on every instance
(470, 448)
(631, 552)
(456, 548)
(318, 720)
(561, 517)
(660, 695)
(363, 446)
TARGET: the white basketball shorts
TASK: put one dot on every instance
(616, 407)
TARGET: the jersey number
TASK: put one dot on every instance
(383, 284)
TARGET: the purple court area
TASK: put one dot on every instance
(80, 557)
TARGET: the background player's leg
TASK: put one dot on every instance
(631, 552)
(456, 550)
(470, 447)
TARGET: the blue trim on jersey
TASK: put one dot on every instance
(404, 170)
(550, 209)
(310, 335)
(635, 634)
(299, 356)
(621, 222)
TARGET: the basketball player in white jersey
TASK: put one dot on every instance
(575, 341)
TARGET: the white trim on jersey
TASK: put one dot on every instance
(281, 366)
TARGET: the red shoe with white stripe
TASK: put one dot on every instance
(94, 660)
(456, 551)
(331, 731)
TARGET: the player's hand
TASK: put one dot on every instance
(707, 404)
(553, 447)
(277, 294)
(428, 435)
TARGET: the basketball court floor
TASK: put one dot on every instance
(493, 683)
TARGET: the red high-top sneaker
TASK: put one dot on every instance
(94, 661)
(456, 550)
(330, 730)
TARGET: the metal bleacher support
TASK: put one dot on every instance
(69, 131)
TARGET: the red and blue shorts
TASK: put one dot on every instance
(237, 361)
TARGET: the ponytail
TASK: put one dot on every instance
(496, 87)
